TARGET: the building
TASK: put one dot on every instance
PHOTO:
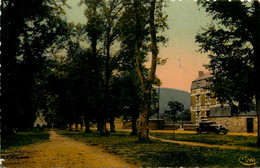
(205, 106)
(40, 120)
(201, 98)
(242, 122)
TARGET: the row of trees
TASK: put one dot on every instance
(92, 72)
(28, 28)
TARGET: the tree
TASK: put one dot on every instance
(175, 109)
(146, 19)
(185, 115)
(146, 82)
(232, 42)
(102, 25)
(94, 29)
(28, 28)
(131, 98)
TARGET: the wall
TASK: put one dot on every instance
(235, 124)
(153, 124)
(118, 126)
(193, 115)
(172, 127)
(220, 111)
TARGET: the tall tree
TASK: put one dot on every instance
(111, 11)
(143, 20)
(94, 29)
(232, 42)
(146, 82)
(28, 28)
(102, 26)
(131, 97)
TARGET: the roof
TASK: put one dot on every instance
(200, 81)
(204, 76)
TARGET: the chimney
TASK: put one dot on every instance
(201, 73)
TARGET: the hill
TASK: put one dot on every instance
(167, 94)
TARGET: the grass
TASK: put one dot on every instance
(247, 141)
(161, 154)
(29, 136)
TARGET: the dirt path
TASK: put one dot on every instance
(61, 151)
(207, 145)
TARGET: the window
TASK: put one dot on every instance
(207, 113)
(208, 98)
(198, 99)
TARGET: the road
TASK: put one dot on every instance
(61, 151)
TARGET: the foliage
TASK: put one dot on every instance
(162, 154)
(73, 71)
(146, 18)
(229, 41)
(176, 108)
(233, 44)
(28, 29)
(26, 137)
(71, 83)
(185, 115)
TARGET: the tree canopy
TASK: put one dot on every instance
(176, 108)
(232, 44)
(80, 73)
(26, 25)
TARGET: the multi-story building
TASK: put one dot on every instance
(205, 106)
(201, 98)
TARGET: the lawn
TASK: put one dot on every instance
(161, 154)
(220, 139)
(29, 136)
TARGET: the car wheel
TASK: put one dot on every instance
(198, 130)
(225, 132)
(217, 131)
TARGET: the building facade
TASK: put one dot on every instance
(205, 106)
(201, 98)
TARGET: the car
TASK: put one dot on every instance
(211, 126)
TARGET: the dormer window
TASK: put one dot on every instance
(197, 84)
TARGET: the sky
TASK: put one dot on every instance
(185, 20)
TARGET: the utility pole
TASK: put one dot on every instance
(158, 109)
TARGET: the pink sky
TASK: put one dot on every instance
(179, 74)
(185, 21)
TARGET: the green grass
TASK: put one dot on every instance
(247, 141)
(23, 138)
(156, 153)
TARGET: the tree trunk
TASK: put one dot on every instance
(112, 124)
(76, 127)
(257, 66)
(146, 83)
(70, 127)
(143, 129)
(258, 118)
(98, 125)
(134, 129)
(103, 128)
(87, 126)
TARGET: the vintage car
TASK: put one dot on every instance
(211, 126)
